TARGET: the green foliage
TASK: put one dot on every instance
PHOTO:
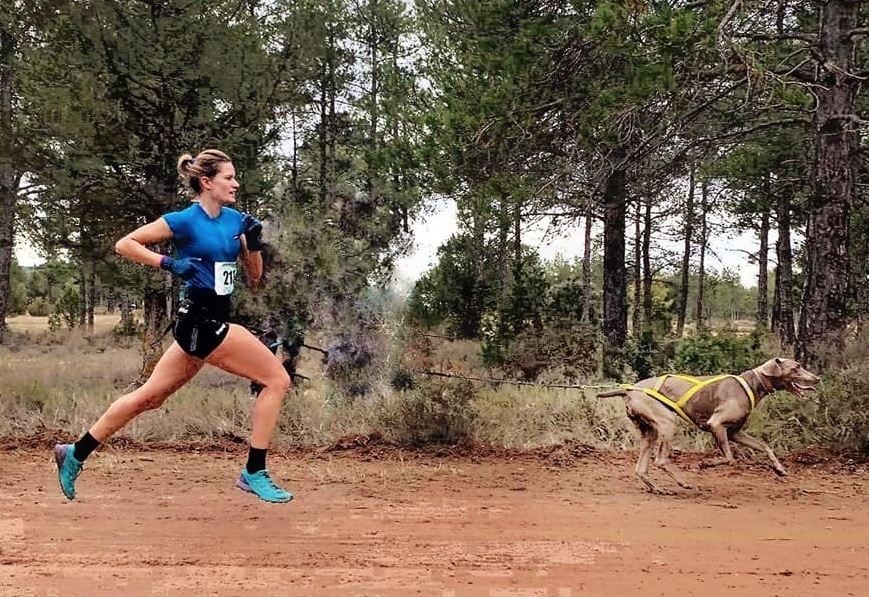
(52, 289)
(571, 346)
(724, 298)
(67, 308)
(459, 289)
(38, 307)
(843, 405)
(723, 352)
(17, 290)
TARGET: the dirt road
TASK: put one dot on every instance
(172, 523)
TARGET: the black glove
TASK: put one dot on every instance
(184, 268)
(253, 232)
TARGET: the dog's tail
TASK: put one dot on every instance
(613, 393)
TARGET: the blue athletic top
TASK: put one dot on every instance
(213, 240)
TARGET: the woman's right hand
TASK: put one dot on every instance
(184, 267)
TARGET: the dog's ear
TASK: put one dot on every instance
(772, 368)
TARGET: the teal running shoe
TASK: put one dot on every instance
(262, 486)
(68, 469)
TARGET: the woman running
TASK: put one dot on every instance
(208, 237)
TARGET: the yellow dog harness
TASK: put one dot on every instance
(696, 386)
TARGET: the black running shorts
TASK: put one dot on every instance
(199, 337)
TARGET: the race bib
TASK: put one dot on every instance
(224, 277)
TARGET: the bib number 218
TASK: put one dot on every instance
(224, 277)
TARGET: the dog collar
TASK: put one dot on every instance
(769, 389)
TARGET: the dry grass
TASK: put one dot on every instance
(29, 324)
(62, 382)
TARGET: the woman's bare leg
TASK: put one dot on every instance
(173, 370)
(243, 354)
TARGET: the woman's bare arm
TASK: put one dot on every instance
(252, 262)
(134, 245)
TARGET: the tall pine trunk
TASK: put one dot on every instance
(647, 266)
(505, 223)
(157, 298)
(82, 294)
(332, 136)
(686, 256)
(784, 321)
(472, 327)
(823, 317)
(615, 306)
(762, 312)
(586, 262)
(374, 56)
(638, 288)
(155, 308)
(519, 296)
(704, 236)
(322, 135)
(92, 296)
(9, 174)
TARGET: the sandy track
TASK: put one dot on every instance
(167, 523)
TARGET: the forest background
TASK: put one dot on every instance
(648, 128)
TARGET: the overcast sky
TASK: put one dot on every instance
(430, 232)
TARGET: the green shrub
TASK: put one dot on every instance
(39, 308)
(724, 352)
(843, 409)
(439, 412)
(68, 306)
(572, 345)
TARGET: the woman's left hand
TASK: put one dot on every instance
(252, 230)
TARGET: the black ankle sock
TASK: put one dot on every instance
(85, 446)
(256, 459)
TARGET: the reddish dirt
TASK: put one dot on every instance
(559, 524)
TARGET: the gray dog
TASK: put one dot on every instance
(718, 404)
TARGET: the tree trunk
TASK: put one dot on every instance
(776, 300)
(157, 297)
(823, 317)
(647, 266)
(128, 323)
(615, 307)
(373, 142)
(784, 324)
(863, 291)
(638, 288)
(332, 136)
(505, 272)
(519, 301)
(472, 328)
(586, 262)
(82, 294)
(9, 175)
(686, 257)
(156, 309)
(294, 170)
(704, 235)
(322, 136)
(92, 296)
(763, 272)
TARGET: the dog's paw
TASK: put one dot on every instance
(661, 491)
(715, 462)
(780, 471)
